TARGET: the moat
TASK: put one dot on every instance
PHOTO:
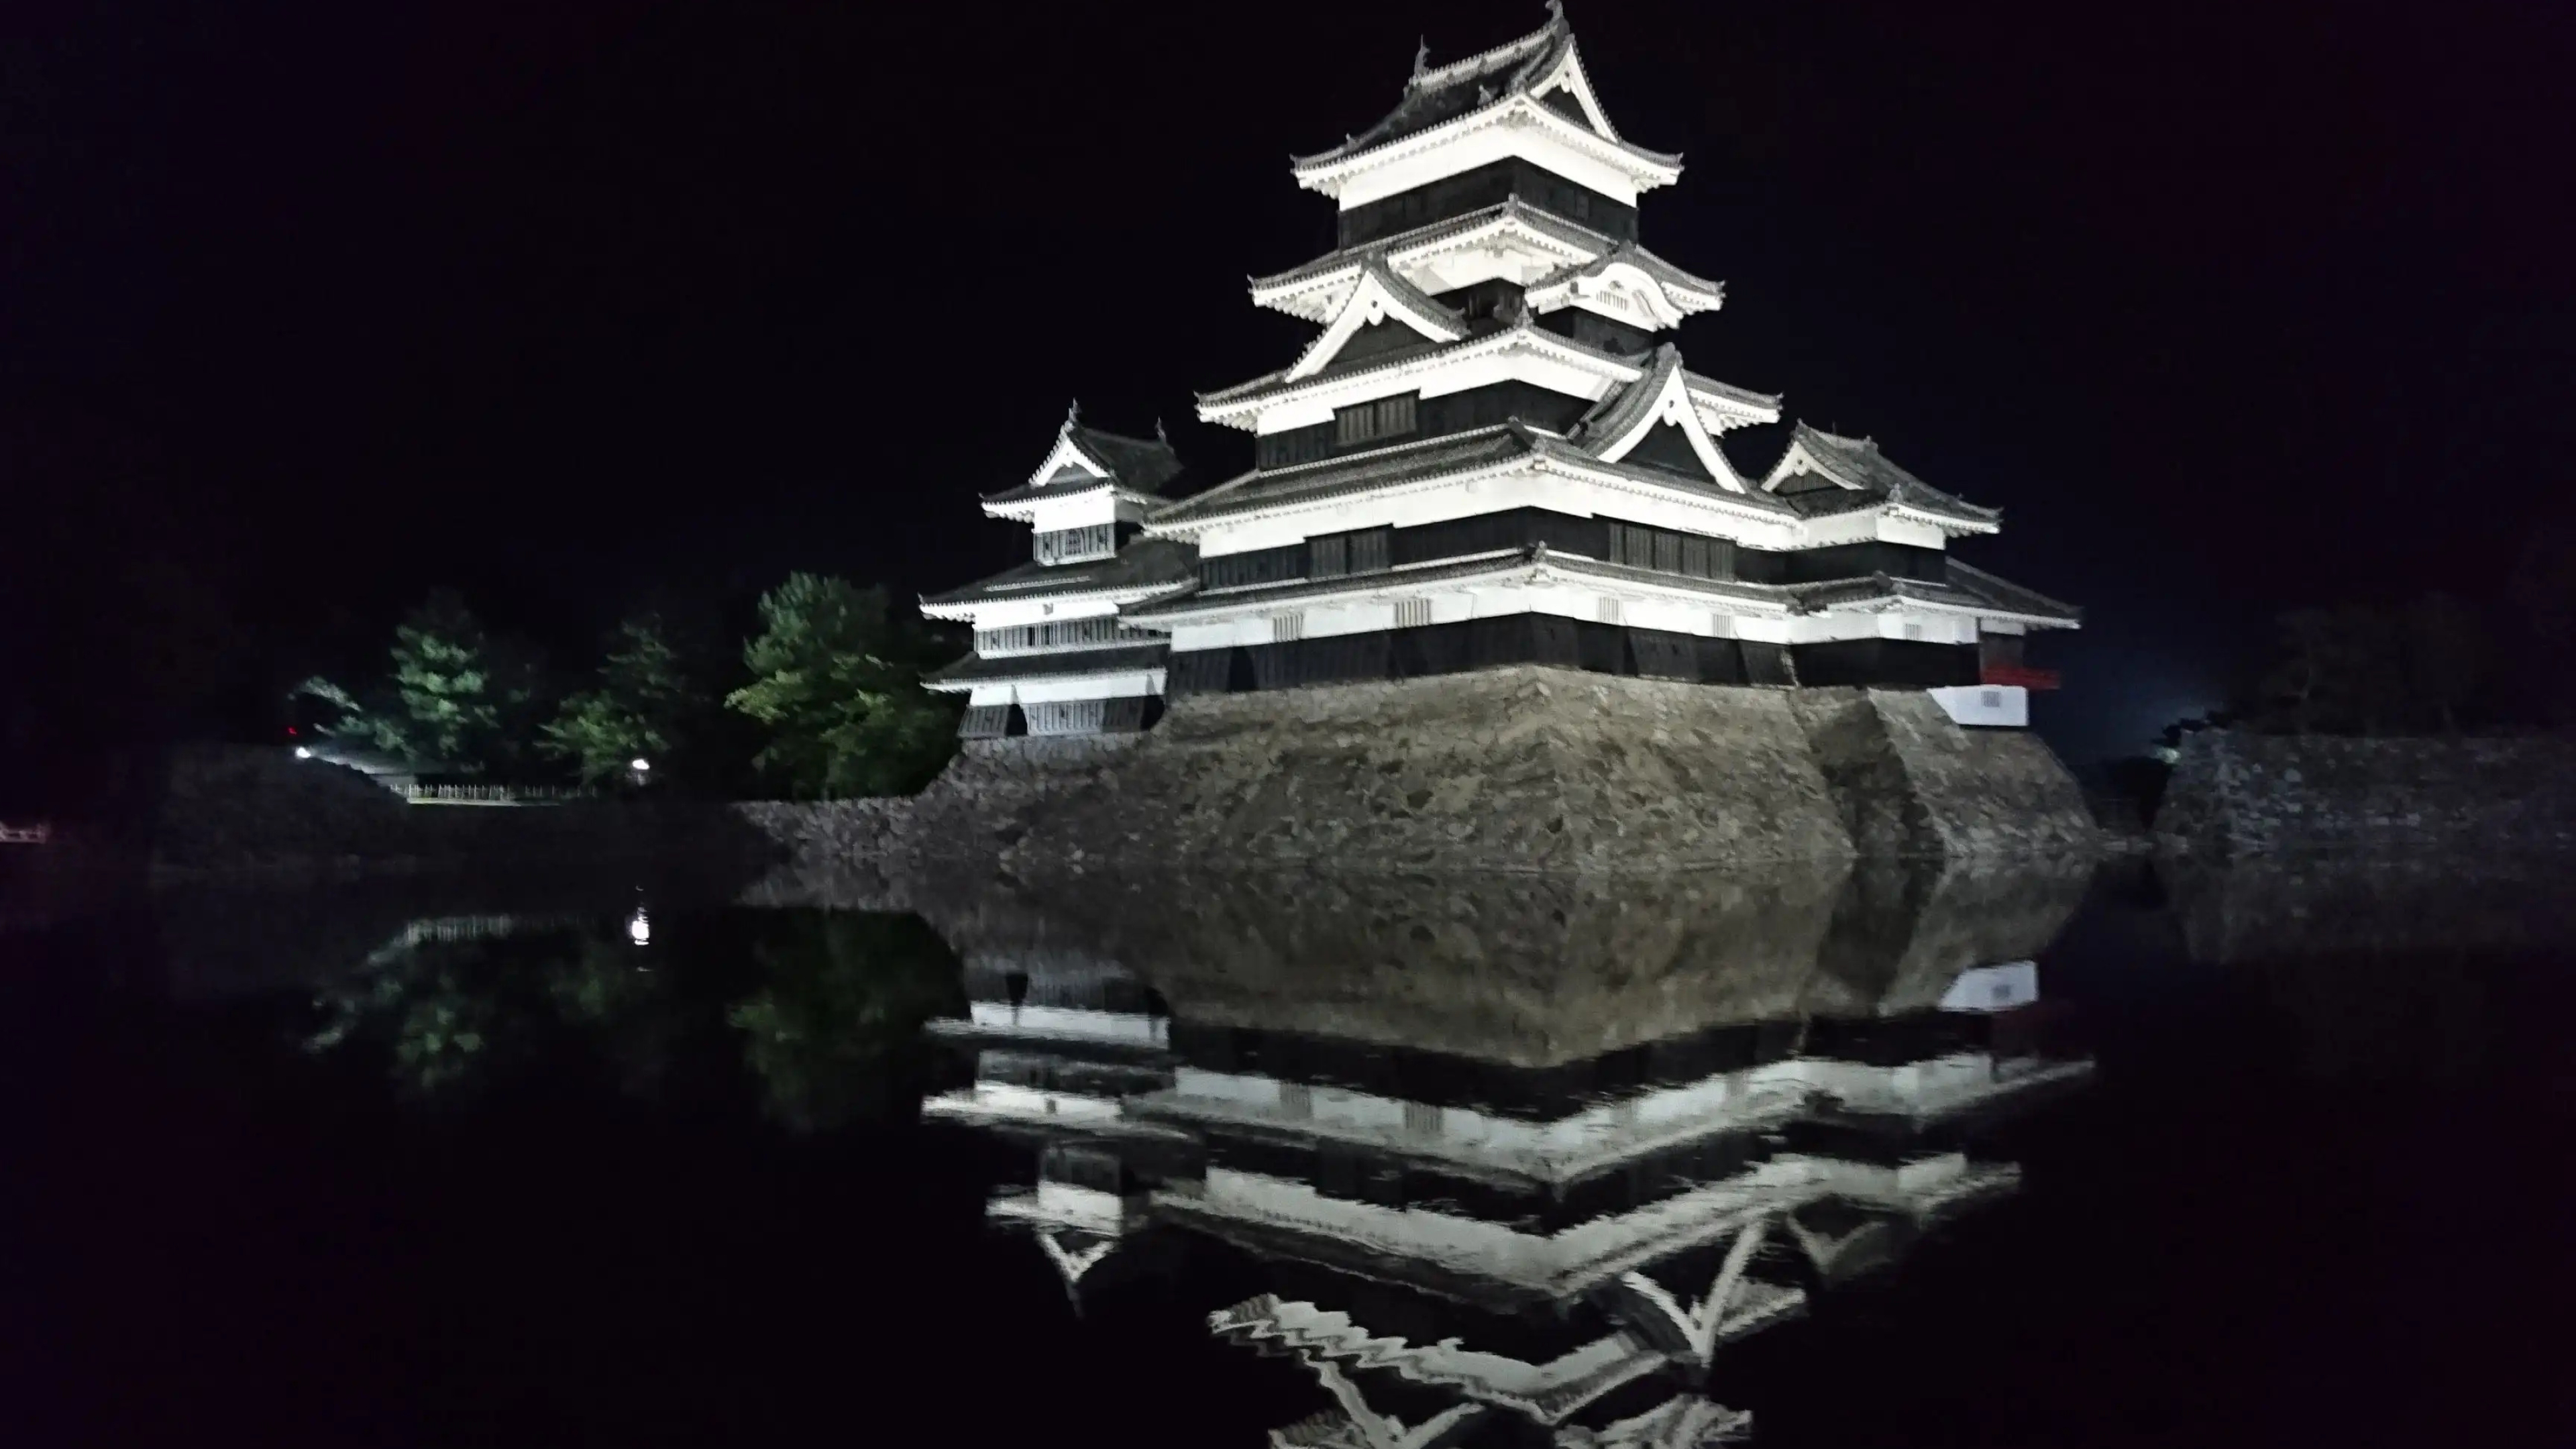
(2011, 1155)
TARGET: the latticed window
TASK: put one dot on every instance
(1066, 545)
(1388, 417)
(1669, 551)
(1412, 613)
(1284, 627)
(1063, 634)
(1066, 717)
(1372, 552)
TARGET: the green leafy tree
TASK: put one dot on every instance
(835, 1031)
(837, 681)
(453, 696)
(649, 704)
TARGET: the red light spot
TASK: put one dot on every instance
(290, 729)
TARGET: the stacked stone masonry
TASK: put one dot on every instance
(1529, 769)
(2235, 793)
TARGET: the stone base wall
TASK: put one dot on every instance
(1520, 769)
(1525, 768)
(244, 812)
(2240, 794)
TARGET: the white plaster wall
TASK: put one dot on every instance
(1004, 613)
(1532, 360)
(1995, 706)
(2002, 987)
(1483, 146)
(1089, 686)
(1521, 488)
(1146, 682)
(1100, 505)
(1064, 1021)
(1571, 599)
(1712, 619)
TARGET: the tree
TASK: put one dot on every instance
(2446, 656)
(452, 696)
(2304, 683)
(837, 681)
(646, 706)
(2544, 590)
(835, 1031)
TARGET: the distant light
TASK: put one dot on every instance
(639, 766)
(290, 729)
(639, 930)
(302, 753)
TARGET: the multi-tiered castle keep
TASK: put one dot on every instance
(1492, 453)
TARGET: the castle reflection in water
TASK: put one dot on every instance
(1519, 1158)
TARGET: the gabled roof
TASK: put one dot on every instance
(1671, 295)
(1529, 563)
(1861, 475)
(1085, 458)
(1577, 244)
(975, 669)
(1228, 405)
(1967, 588)
(1380, 295)
(1144, 567)
(1429, 460)
(1620, 421)
(1517, 76)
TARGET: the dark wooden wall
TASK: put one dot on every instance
(1488, 186)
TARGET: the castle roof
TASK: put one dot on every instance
(1145, 567)
(1139, 465)
(1578, 240)
(1429, 459)
(976, 669)
(1967, 587)
(1543, 66)
(1852, 473)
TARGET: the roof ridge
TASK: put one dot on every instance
(1489, 59)
(1526, 326)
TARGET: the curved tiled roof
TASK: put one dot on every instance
(1525, 323)
(1630, 254)
(1141, 465)
(1967, 587)
(1621, 410)
(1145, 563)
(1573, 234)
(1437, 96)
(976, 669)
(1512, 561)
(1866, 476)
(1431, 458)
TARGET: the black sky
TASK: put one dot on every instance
(2230, 307)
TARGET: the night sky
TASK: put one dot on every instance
(2230, 307)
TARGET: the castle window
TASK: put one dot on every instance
(1388, 417)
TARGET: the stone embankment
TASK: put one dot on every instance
(2237, 794)
(250, 813)
(1524, 769)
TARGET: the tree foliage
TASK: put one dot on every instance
(836, 679)
(453, 697)
(835, 1031)
(2362, 670)
(648, 704)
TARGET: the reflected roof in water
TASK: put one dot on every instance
(1657, 1113)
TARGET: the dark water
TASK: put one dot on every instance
(2271, 1156)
